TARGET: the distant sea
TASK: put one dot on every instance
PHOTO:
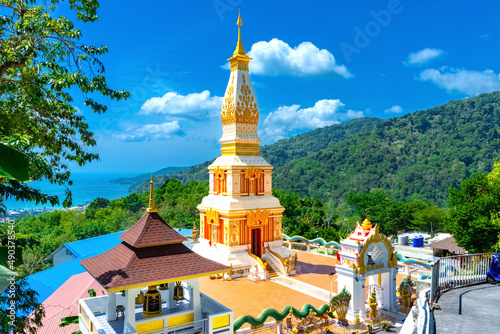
(86, 187)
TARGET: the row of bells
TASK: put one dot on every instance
(151, 300)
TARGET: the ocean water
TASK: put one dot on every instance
(86, 187)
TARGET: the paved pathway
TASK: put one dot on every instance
(472, 309)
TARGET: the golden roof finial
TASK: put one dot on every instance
(152, 207)
(367, 225)
(239, 47)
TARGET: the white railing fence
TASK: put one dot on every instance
(457, 271)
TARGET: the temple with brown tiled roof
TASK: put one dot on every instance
(152, 254)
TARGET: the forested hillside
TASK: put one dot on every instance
(283, 150)
(415, 156)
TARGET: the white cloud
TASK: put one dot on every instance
(288, 119)
(394, 110)
(423, 56)
(163, 131)
(191, 105)
(462, 80)
(278, 58)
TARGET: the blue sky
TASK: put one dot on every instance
(316, 63)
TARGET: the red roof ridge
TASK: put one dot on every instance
(151, 230)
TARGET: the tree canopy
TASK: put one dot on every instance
(474, 211)
(42, 63)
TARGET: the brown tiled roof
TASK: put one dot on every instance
(448, 244)
(151, 230)
(125, 266)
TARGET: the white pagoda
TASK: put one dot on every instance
(240, 220)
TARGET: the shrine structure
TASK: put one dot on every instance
(367, 263)
(240, 219)
(151, 279)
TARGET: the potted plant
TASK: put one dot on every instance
(385, 325)
(370, 328)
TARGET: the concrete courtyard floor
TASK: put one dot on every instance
(245, 297)
(473, 309)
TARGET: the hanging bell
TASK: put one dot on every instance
(178, 291)
(139, 300)
(163, 286)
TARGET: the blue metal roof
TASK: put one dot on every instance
(49, 280)
(96, 245)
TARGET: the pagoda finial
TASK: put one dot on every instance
(367, 225)
(152, 206)
(239, 47)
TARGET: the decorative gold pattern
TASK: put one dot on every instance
(212, 216)
(253, 173)
(227, 113)
(257, 218)
(376, 237)
(226, 232)
(219, 173)
(277, 228)
(235, 233)
(239, 64)
(246, 107)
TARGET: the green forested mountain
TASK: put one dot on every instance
(282, 151)
(415, 156)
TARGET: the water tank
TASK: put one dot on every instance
(403, 240)
(418, 241)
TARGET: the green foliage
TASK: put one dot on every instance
(307, 217)
(42, 61)
(26, 301)
(392, 215)
(474, 209)
(415, 156)
(385, 325)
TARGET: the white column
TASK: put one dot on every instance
(111, 307)
(346, 278)
(195, 298)
(171, 302)
(361, 297)
(130, 307)
(393, 287)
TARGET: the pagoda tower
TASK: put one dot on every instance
(240, 219)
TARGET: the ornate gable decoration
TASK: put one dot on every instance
(212, 216)
(253, 173)
(219, 173)
(257, 218)
(376, 252)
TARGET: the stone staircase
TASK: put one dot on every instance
(272, 270)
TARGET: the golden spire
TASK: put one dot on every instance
(239, 47)
(366, 224)
(152, 207)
